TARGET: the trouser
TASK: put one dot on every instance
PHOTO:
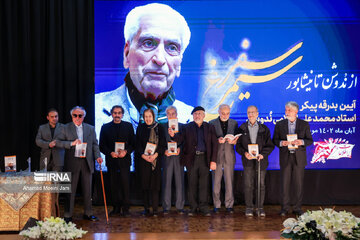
(172, 168)
(198, 177)
(295, 173)
(154, 195)
(54, 168)
(120, 188)
(250, 181)
(226, 170)
(82, 172)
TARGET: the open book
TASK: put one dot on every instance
(231, 137)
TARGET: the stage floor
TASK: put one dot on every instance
(175, 226)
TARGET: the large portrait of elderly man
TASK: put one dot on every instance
(156, 37)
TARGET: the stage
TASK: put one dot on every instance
(175, 226)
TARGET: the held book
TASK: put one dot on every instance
(119, 146)
(172, 148)
(290, 138)
(174, 125)
(80, 150)
(231, 137)
(150, 148)
(253, 150)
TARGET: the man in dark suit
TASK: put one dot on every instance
(292, 136)
(118, 160)
(172, 167)
(198, 155)
(46, 140)
(254, 132)
(225, 158)
(76, 133)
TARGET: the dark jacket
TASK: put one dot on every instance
(111, 133)
(142, 137)
(302, 129)
(150, 179)
(189, 139)
(263, 140)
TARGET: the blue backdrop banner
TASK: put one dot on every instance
(261, 53)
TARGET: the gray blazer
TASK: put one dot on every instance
(43, 138)
(226, 151)
(69, 135)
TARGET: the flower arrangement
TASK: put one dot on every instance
(323, 224)
(53, 228)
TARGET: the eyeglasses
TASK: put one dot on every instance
(77, 115)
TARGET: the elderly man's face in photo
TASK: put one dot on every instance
(154, 55)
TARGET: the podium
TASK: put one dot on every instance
(17, 208)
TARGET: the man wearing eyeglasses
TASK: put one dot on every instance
(117, 141)
(76, 134)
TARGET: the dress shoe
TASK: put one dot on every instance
(181, 211)
(115, 211)
(216, 210)
(192, 213)
(146, 212)
(283, 213)
(68, 219)
(298, 212)
(206, 214)
(262, 212)
(230, 210)
(249, 212)
(126, 213)
(155, 213)
(90, 218)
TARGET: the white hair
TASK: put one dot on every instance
(292, 104)
(132, 22)
(224, 106)
(78, 107)
(171, 107)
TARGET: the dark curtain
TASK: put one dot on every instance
(47, 60)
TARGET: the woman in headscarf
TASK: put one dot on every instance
(150, 147)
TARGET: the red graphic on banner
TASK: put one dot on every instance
(332, 149)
